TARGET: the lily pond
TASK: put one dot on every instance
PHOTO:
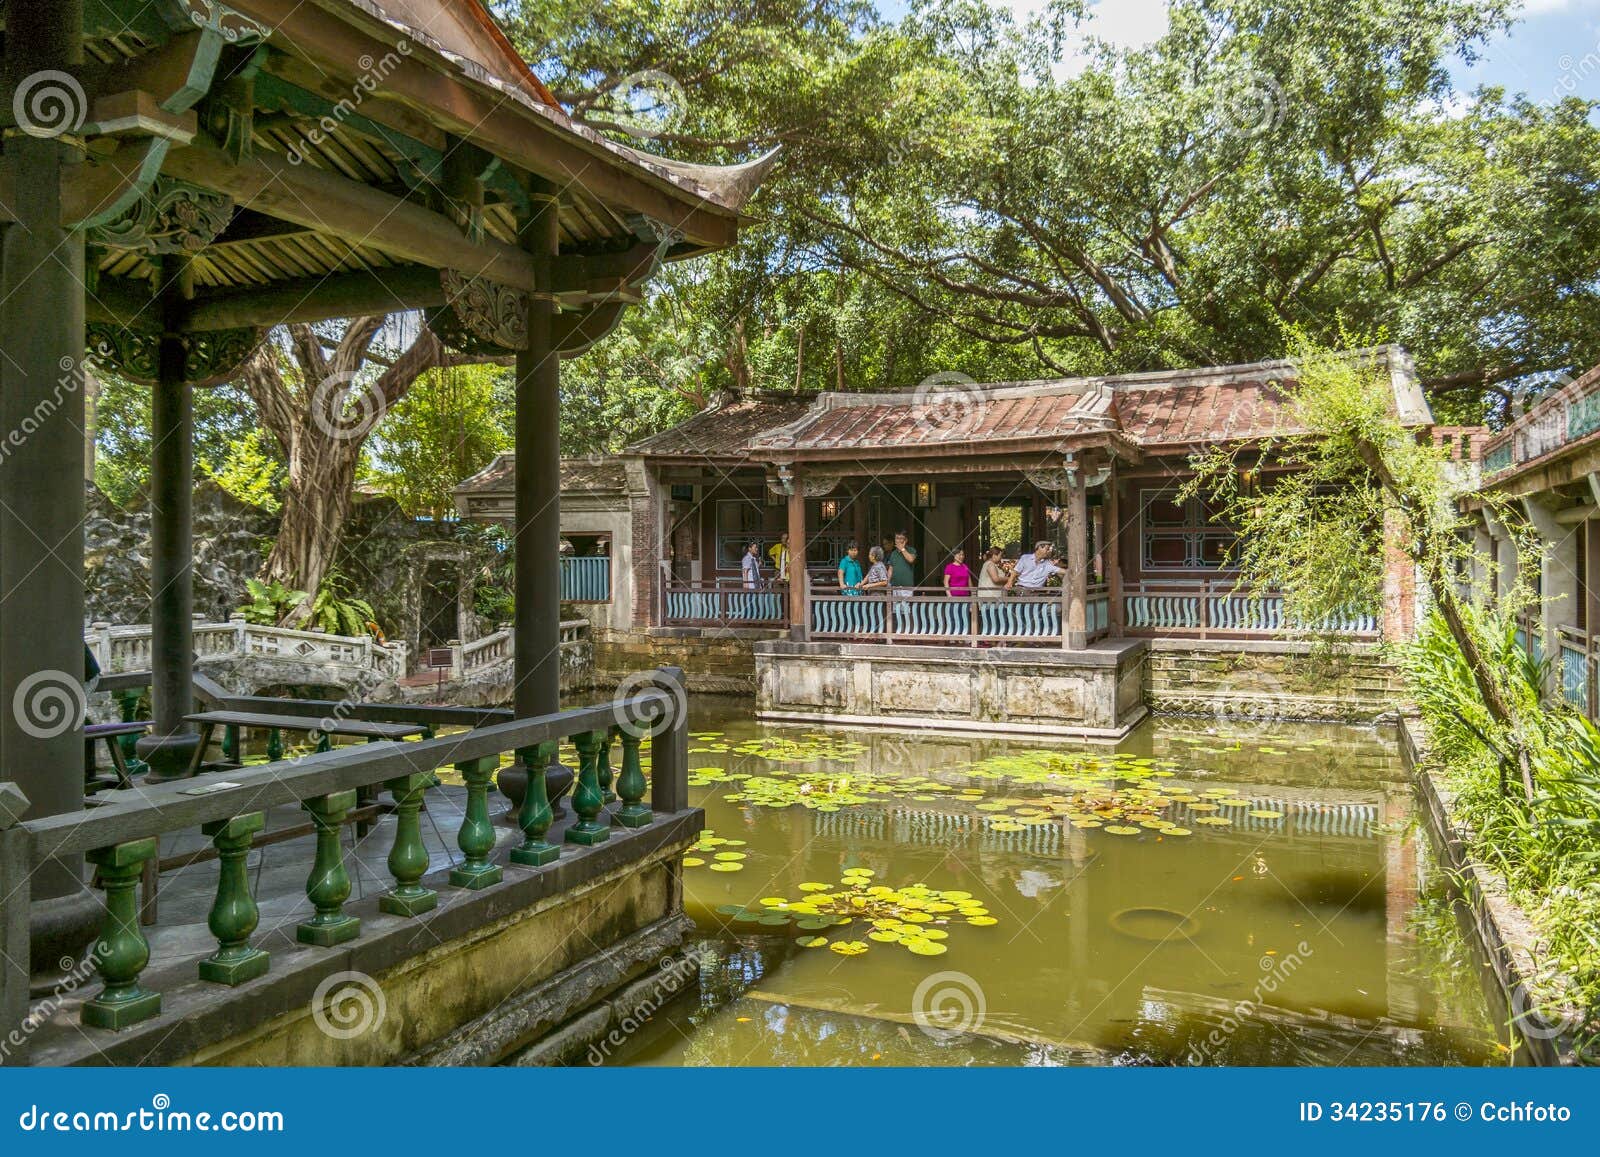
(1201, 894)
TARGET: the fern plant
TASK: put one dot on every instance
(269, 602)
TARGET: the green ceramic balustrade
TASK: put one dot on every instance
(274, 745)
(536, 816)
(121, 952)
(328, 886)
(587, 799)
(631, 785)
(234, 914)
(408, 859)
(230, 744)
(476, 837)
(603, 768)
(128, 704)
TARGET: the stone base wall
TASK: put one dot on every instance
(1271, 680)
(717, 663)
(1096, 693)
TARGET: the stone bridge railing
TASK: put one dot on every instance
(344, 659)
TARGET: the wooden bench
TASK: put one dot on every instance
(112, 733)
(325, 729)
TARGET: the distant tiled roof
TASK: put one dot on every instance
(948, 414)
(725, 431)
(1177, 408)
(577, 474)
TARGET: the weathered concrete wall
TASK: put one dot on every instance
(720, 663)
(1096, 692)
(228, 537)
(1270, 679)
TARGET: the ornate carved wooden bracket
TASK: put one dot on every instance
(209, 358)
(480, 316)
(171, 217)
(813, 485)
(210, 16)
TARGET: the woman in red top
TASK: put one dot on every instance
(957, 578)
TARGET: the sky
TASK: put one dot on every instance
(1553, 51)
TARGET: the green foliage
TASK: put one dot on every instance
(251, 472)
(450, 424)
(339, 612)
(269, 602)
(224, 419)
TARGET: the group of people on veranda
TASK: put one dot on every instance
(893, 568)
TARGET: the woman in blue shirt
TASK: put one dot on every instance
(850, 570)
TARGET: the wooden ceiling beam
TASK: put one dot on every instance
(309, 299)
(329, 203)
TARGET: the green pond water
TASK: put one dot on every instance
(1202, 894)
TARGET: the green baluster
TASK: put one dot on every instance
(408, 859)
(476, 838)
(274, 745)
(631, 785)
(586, 797)
(328, 886)
(121, 952)
(234, 914)
(230, 744)
(128, 704)
(324, 741)
(604, 766)
(535, 817)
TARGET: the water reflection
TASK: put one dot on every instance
(1199, 896)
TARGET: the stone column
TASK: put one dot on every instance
(41, 464)
(1558, 569)
(169, 748)
(1075, 585)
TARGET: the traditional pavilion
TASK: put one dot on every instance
(181, 175)
(1096, 466)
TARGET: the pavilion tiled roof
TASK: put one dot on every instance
(1155, 411)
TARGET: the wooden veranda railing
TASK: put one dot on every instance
(928, 614)
(1218, 608)
(121, 832)
(721, 603)
(585, 579)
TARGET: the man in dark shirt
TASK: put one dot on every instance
(900, 562)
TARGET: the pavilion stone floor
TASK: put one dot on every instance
(278, 872)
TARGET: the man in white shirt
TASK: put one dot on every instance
(1034, 570)
(750, 566)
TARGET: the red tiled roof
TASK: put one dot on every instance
(726, 431)
(577, 474)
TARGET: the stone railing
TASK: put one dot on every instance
(120, 837)
(481, 655)
(127, 648)
(1554, 421)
